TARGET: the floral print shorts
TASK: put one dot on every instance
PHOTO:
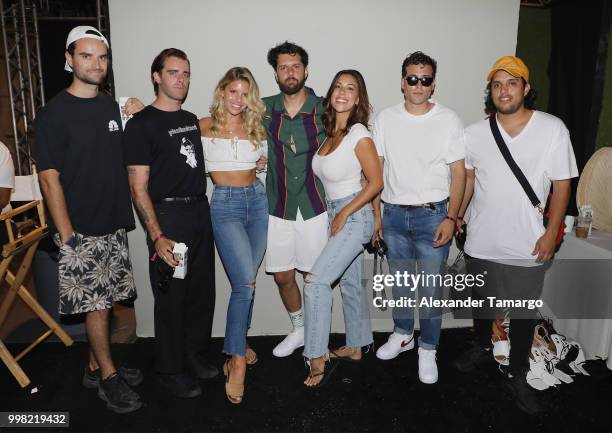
(94, 272)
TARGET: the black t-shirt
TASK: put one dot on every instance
(81, 138)
(169, 143)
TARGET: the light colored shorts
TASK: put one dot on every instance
(295, 244)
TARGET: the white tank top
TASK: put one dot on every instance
(340, 171)
(230, 154)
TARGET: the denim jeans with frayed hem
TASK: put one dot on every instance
(342, 258)
(240, 226)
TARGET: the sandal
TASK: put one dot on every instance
(233, 391)
(251, 356)
(328, 368)
(335, 354)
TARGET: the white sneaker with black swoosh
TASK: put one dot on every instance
(396, 344)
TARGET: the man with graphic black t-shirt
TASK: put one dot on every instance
(168, 183)
(85, 185)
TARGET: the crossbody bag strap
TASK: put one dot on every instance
(516, 170)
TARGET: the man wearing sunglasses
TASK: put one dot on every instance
(420, 143)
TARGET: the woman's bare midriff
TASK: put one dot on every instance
(234, 178)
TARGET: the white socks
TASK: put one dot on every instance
(297, 319)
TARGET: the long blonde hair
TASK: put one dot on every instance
(253, 113)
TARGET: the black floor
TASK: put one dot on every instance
(372, 396)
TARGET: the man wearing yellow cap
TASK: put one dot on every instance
(506, 238)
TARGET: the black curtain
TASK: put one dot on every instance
(577, 72)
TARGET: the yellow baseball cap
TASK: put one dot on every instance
(512, 65)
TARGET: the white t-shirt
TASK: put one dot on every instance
(7, 172)
(340, 171)
(417, 151)
(504, 226)
(225, 154)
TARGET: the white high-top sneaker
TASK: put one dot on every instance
(291, 342)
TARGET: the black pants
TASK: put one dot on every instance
(183, 308)
(506, 282)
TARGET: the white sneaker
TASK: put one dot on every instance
(396, 344)
(291, 342)
(428, 369)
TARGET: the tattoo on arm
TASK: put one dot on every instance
(143, 213)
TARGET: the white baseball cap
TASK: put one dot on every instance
(82, 32)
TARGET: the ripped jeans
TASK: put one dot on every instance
(240, 225)
(342, 258)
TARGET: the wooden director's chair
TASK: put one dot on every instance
(23, 238)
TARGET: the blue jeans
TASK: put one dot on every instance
(240, 226)
(342, 258)
(409, 233)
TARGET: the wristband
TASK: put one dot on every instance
(459, 218)
(453, 219)
(158, 237)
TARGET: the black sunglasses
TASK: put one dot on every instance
(412, 80)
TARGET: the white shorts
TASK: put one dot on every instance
(295, 244)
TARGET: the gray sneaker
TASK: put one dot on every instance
(132, 376)
(118, 395)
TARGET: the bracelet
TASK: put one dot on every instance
(459, 218)
(453, 219)
(158, 237)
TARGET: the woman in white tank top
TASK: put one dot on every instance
(233, 141)
(347, 152)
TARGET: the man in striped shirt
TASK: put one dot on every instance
(297, 227)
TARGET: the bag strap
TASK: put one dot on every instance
(378, 267)
(516, 170)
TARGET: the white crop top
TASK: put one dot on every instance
(340, 171)
(226, 154)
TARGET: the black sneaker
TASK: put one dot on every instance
(523, 394)
(473, 358)
(199, 367)
(180, 385)
(118, 395)
(132, 376)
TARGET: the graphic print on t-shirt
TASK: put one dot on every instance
(188, 150)
(113, 126)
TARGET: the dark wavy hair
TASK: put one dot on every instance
(360, 112)
(286, 48)
(529, 101)
(419, 58)
(160, 61)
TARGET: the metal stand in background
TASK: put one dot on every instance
(19, 24)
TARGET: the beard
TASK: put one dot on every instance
(179, 95)
(291, 89)
(508, 109)
(92, 79)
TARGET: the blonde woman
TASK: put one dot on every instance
(233, 140)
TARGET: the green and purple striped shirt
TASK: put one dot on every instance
(290, 182)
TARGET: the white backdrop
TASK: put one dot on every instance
(464, 36)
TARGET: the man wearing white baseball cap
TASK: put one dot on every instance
(82, 32)
(84, 182)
